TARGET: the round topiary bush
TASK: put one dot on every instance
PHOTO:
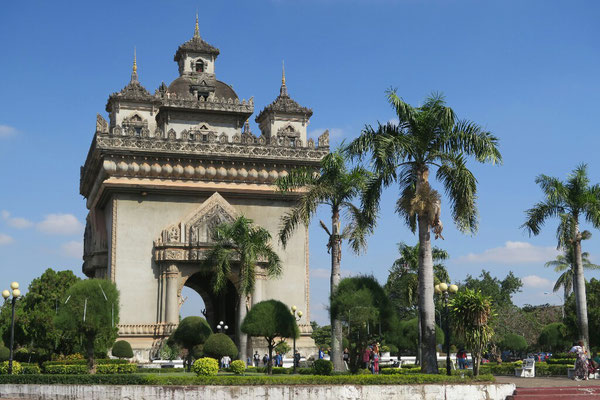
(218, 345)
(4, 353)
(238, 367)
(323, 367)
(17, 369)
(206, 366)
(122, 349)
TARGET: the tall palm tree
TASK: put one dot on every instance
(403, 280)
(243, 245)
(571, 201)
(425, 139)
(565, 263)
(334, 185)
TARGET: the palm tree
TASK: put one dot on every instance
(565, 263)
(334, 185)
(243, 245)
(403, 280)
(570, 201)
(425, 138)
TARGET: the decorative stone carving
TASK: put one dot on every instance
(223, 138)
(101, 124)
(184, 135)
(145, 132)
(117, 131)
(324, 139)
(311, 143)
(171, 134)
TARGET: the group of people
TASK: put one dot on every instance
(584, 364)
(277, 359)
(370, 358)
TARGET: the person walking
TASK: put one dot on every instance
(376, 359)
(461, 357)
(256, 359)
(366, 357)
(581, 368)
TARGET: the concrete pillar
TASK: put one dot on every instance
(172, 300)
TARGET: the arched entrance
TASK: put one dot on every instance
(218, 307)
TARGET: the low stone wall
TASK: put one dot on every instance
(292, 392)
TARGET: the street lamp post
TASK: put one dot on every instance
(16, 293)
(562, 307)
(297, 316)
(222, 327)
(445, 290)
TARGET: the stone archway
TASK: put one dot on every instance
(218, 306)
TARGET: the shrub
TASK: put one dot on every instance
(71, 369)
(206, 367)
(122, 349)
(282, 347)
(238, 367)
(31, 369)
(322, 367)
(152, 379)
(218, 345)
(16, 368)
(4, 353)
(191, 331)
(512, 341)
(116, 368)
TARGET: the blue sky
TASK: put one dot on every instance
(525, 70)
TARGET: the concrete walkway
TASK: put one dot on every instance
(546, 381)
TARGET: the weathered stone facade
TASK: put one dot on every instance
(164, 169)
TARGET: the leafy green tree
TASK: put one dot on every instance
(471, 312)
(4, 353)
(218, 345)
(190, 332)
(407, 336)
(282, 347)
(362, 305)
(270, 319)
(593, 306)
(122, 349)
(35, 313)
(245, 245)
(565, 263)
(570, 201)
(403, 280)
(425, 139)
(514, 342)
(321, 335)
(91, 310)
(335, 185)
(527, 321)
(500, 291)
(555, 338)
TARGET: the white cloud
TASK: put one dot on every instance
(15, 222)
(535, 281)
(60, 224)
(512, 253)
(72, 249)
(5, 239)
(7, 131)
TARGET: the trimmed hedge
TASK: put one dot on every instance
(205, 367)
(73, 369)
(116, 368)
(16, 367)
(561, 361)
(141, 370)
(145, 379)
(238, 367)
(541, 369)
(84, 362)
(322, 367)
(122, 349)
(31, 369)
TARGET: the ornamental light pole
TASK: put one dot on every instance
(445, 290)
(297, 316)
(16, 293)
(222, 327)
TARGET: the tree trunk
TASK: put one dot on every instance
(90, 353)
(580, 295)
(336, 323)
(242, 337)
(270, 345)
(426, 304)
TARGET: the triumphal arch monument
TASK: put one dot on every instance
(165, 168)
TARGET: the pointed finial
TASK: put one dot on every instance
(134, 75)
(197, 29)
(134, 60)
(283, 90)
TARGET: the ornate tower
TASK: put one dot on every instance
(168, 166)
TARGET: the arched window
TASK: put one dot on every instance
(199, 66)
